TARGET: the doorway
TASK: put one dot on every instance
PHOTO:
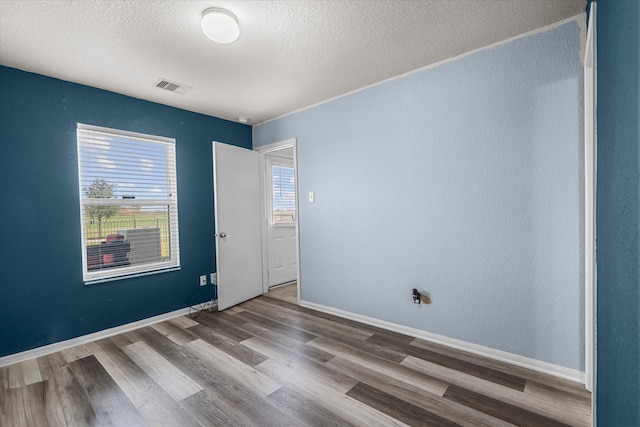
(280, 247)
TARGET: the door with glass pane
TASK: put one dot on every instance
(281, 233)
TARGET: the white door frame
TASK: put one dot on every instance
(264, 150)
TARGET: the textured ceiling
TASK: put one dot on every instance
(290, 54)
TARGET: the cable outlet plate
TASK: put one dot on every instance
(203, 280)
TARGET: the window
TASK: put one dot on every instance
(284, 194)
(128, 203)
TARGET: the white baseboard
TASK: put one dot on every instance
(84, 339)
(499, 355)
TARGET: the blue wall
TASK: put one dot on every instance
(464, 180)
(42, 296)
(618, 216)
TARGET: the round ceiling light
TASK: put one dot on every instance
(220, 25)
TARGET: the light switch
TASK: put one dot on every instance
(312, 197)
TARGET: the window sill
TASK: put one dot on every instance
(129, 276)
(284, 225)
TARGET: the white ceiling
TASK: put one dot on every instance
(290, 54)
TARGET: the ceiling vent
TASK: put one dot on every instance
(172, 86)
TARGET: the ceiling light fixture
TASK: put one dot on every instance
(220, 25)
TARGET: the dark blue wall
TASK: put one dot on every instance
(618, 217)
(42, 296)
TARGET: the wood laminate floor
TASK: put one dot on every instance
(288, 293)
(269, 363)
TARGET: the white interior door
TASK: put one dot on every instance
(281, 221)
(236, 186)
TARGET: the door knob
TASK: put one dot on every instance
(222, 235)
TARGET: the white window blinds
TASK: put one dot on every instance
(284, 194)
(128, 203)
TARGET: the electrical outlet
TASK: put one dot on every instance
(203, 280)
(214, 278)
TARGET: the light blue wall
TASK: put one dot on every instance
(464, 181)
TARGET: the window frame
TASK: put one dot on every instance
(283, 163)
(171, 202)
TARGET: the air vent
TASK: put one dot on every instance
(173, 87)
